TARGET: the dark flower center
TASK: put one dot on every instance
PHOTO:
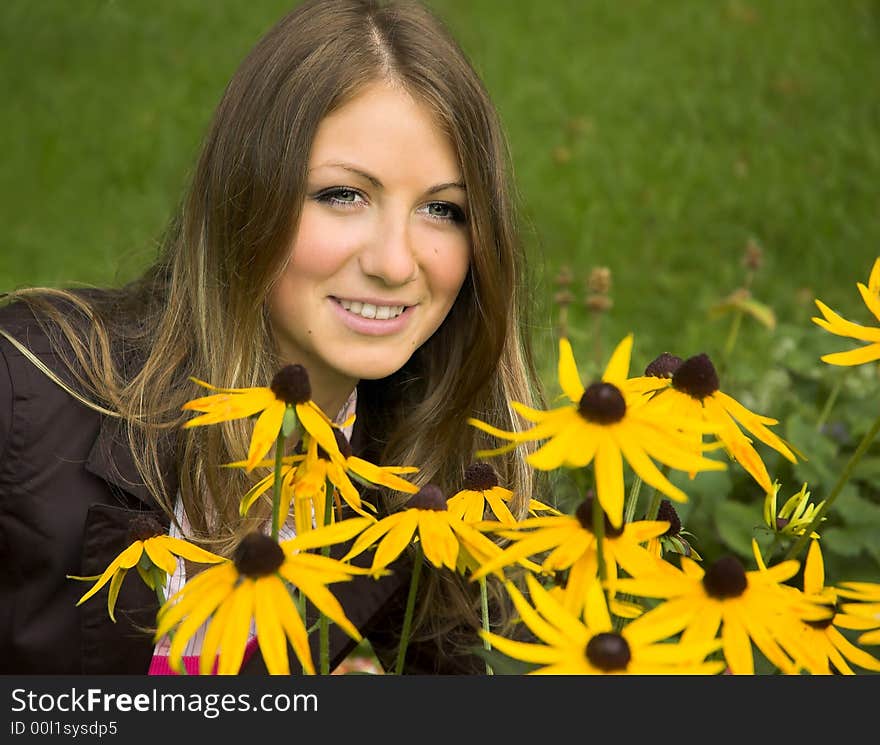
(584, 514)
(608, 652)
(291, 385)
(824, 623)
(726, 578)
(429, 497)
(341, 442)
(480, 477)
(667, 512)
(257, 555)
(142, 527)
(781, 522)
(602, 403)
(663, 366)
(696, 376)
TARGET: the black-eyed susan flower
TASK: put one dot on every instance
(305, 477)
(572, 646)
(839, 326)
(603, 427)
(689, 390)
(442, 536)
(289, 392)
(481, 490)
(796, 514)
(746, 606)
(573, 547)
(822, 636)
(675, 539)
(254, 586)
(153, 553)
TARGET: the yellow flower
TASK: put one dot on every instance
(822, 636)
(442, 535)
(254, 585)
(796, 514)
(573, 547)
(305, 477)
(574, 647)
(289, 392)
(674, 539)
(153, 553)
(837, 325)
(481, 489)
(689, 390)
(746, 606)
(601, 425)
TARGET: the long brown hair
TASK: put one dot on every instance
(200, 310)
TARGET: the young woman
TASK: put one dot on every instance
(350, 211)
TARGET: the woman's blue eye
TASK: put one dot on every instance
(339, 196)
(446, 211)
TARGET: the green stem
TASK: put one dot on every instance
(844, 477)
(632, 500)
(599, 532)
(731, 338)
(484, 608)
(276, 488)
(408, 614)
(323, 621)
(654, 505)
(829, 403)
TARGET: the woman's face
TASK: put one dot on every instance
(382, 247)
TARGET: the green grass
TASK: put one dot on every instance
(654, 138)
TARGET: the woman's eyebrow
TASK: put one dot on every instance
(377, 183)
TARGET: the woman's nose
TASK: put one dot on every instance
(389, 255)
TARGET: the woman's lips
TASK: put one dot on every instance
(372, 326)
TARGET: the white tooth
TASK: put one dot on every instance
(355, 307)
(368, 311)
(345, 304)
(383, 312)
(398, 309)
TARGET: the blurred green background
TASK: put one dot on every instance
(657, 139)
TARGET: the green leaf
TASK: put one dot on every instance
(501, 664)
(735, 523)
(290, 421)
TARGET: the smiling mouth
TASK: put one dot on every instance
(368, 310)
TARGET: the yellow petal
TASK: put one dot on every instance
(859, 356)
(265, 432)
(126, 560)
(836, 324)
(618, 365)
(439, 543)
(316, 424)
(270, 632)
(160, 555)
(609, 480)
(326, 602)
(569, 378)
(115, 584)
(814, 570)
(328, 535)
(211, 640)
(237, 628)
(396, 540)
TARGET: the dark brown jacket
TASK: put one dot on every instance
(68, 491)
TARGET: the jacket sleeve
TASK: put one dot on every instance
(5, 404)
